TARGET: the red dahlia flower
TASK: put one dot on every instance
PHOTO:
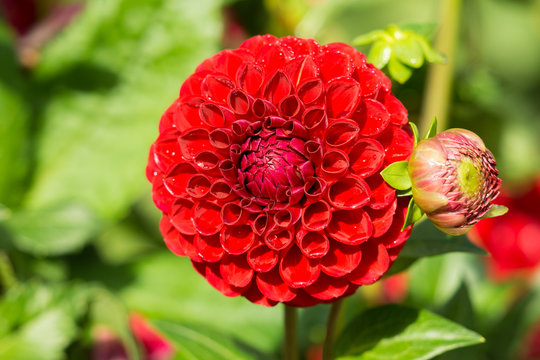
(267, 169)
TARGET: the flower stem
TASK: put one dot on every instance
(439, 78)
(290, 340)
(331, 325)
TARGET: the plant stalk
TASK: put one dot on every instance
(290, 340)
(438, 87)
(331, 326)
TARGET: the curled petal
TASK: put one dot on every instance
(198, 186)
(255, 43)
(290, 106)
(315, 120)
(170, 236)
(334, 63)
(235, 270)
(313, 244)
(295, 129)
(166, 151)
(192, 142)
(273, 57)
(316, 216)
(177, 179)
(394, 237)
(261, 223)
(161, 196)
(300, 46)
(314, 151)
(273, 287)
(368, 77)
(221, 139)
(382, 219)
(358, 59)
(188, 115)
(207, 162)
(217, 88)
(334, 164)
(375, 262)
(372, 117)
(301, 69)
(342, 97)
(341, 259)
(212, 273)
(277, 88)
(261, 258)
(239, 102)
(279, 238)
(240, 130)
(314, 188)
(382, 194)
(237, 239)
(232, 214)
(221, 190)
(398, 143)
(349, 193)
(229, 61)
(297, 270)
(310, 91)
(216, 116)
(208, 247)
(181, 215)
(228, 170)
(262, 108)
(254, 295)
(287, 217)
(366, 157)
(328, 287)
(341, 134)
(351, 227)
(206, 218)
(398, 113)
(250, 78)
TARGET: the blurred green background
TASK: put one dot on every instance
(82, 88)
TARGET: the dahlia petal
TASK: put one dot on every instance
(277, 88)
(358, 59)
(181, 214)
(188, 115)
(255, 43)
(261, 223)
(206, 218)
(240, 131)
(334, 63)
(279, 238)
(273, 287)
(394, 237)
(290, 106)
(212, 273)
(375, 262)
(382, 219)
(207, 162)
(229, 61)
(295, 129)
(232, 214)
(394, 252)
(295, 195)
(186, 243)
(208, 247)
(302, 299)
(221, 190)
(215, 116)
(192, 85)
(300, 46)
(250, 79)
(166, 151)
(170, 236)
(398, 113)
(315, 120)
(198, 186)
(288, 216)
(328, 287)
(192, 142)
(349, 193)
(273, 122)
(313, 244)
(254, 295)
(314, 188)
(261, 258)
(334, 164)
(398, 143)
(297, 270)
(239, 102)
(316, 216)
(301, 69)
(167, 119)
(351, 227)
(228, 170)
(178, 177)
(368, 77)
(310, 91)
(341, 259)
(342, 97)
(341, 134)
(221, 139)
(273, 57)
(262, 108)
(366, 157)
(217, 88)
(382, 194)
(160, 195)
(237, 239)
(235, 270)
(314, 151)
(372, 117)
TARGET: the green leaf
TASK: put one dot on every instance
(432, 131)
(409, 52)
(415, 132)
(394, 331)
(369, 38)
(414, 213)
(380, 54)
(398, 71)
(195, 342)
(52, 231)
(106, 79)
(14, 124)
(495, 210)
(397, 175)
(426, 240)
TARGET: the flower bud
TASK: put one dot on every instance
(454, 179)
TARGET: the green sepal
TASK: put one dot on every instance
(494, 211)
(380, 54)
(397, 175)
(399, 72)
(401, 193)
(432, 55)
(368, 38)
(409, 52)
(414, 213)
(414, 129)
(432, 131)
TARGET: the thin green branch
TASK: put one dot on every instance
(331, 326)
(290, 340)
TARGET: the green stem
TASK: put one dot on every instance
(331, 326)
(439, 78)
(290, 340)
(7, 276)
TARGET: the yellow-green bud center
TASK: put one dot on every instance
(469, 177)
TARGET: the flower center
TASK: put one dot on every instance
(271, 165)
(469, 177)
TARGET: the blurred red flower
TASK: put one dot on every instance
(267, 167)
(513, 240)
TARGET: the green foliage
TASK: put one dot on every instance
(411, 334)
(397, 175)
